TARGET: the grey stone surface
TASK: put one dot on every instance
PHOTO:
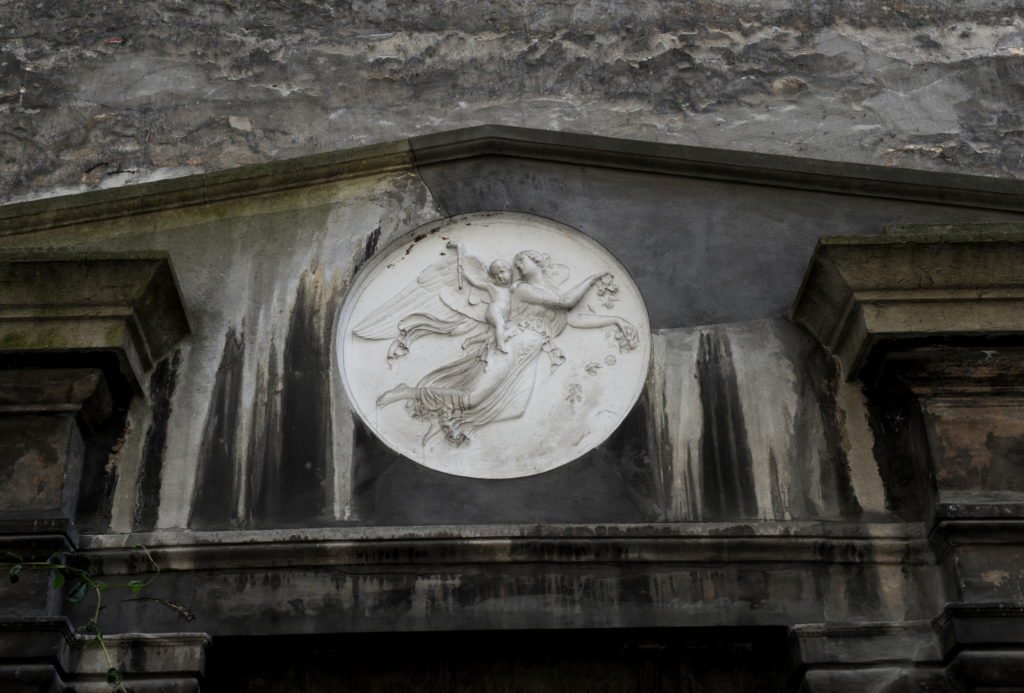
(261, 283)
(752, 421)
(159, 662)
(247, 424)
(105, 94)
(605, 576)
(751, 489)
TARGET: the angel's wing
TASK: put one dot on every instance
(430, 294)
(468, 303)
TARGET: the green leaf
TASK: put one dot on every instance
(113, 677)
(100, 585)
(93, 627)
(58, 558)
(136, 586)
(14, 573)
(58, 579)
(77, 592)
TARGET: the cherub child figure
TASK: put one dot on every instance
(500, 293)
(501, 299)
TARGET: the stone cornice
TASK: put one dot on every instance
(187, 191)
(918, 284)
(501, 141)
(394, 548)
(720, 164)
(130, 306)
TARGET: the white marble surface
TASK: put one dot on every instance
(447, 392)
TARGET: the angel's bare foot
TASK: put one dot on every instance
(396, 394)
(502, 348)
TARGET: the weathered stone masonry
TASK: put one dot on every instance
(819, 489)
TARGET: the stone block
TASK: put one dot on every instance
(30, 678)
(164, 662)
(888, 679)
(996, 669)
(43, 655)
(34, 654)
(40, 442)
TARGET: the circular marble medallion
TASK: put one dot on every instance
(493, 345)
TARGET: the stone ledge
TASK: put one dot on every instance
(872, 644)
(46, 652)
(973, 624)
(448, 552)
(47, 390)
(797, 528)
(861, 292)
(150, 654)
(982, 531)
(52, 305)
(31, 678)
(1009, 506)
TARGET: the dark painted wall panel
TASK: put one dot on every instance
(701, 251)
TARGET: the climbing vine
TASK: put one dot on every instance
(77, 583)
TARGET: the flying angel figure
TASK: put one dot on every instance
(455, 296)
(505, 324)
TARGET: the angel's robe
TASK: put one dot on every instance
(488, 385)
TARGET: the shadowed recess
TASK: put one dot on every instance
(752, 660)
(103, 436)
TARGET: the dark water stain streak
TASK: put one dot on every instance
(216, 494)
(162, 383)
(727, 482)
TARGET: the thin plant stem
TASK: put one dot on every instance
(98, 587)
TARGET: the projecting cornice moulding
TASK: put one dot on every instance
(523, 143)
(65, 307)
(914, 284)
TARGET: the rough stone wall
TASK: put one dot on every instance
(118, 91)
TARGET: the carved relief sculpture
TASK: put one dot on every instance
(483, 343)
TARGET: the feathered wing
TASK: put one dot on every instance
(422, 296)
(469, 300)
